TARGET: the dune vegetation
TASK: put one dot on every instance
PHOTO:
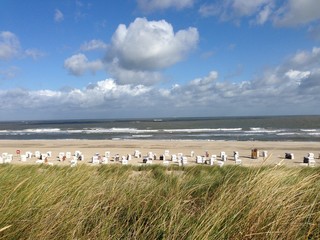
(157, 202)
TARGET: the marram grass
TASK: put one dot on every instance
(155, 202)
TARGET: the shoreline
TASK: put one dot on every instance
(276, 150)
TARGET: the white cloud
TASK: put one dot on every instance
(9, 45)
(151, 45)
(78, 64)
(9, 73)
(281, 13)
(153, 5)
(94, 44)
(297, 76)
(58, 16)
(234, 10)
(34, 53)
(298, 12)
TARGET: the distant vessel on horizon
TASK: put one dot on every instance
(157, 120)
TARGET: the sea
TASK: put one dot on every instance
(264, 128)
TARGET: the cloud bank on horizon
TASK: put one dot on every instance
(160, 59)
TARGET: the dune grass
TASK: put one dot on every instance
(156, 202)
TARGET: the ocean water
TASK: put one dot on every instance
(281, 128)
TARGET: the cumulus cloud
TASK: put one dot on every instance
(151, 45)
(9, 45)
(58, 16)
(79, 64)
(293, 87)
(137, 53)
(94, 44)
(153, 5)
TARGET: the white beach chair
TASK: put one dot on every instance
(224, 158)
(8, 159)
(199, 159)
(61, 155)
(4, 155)
(68, 155)
(95, 160)
(184, 160)
(105, 160)
(166, 153)
(137, 154)
(77, 153)
(124, 161)
(174, 158)
(213, 159)
(49, 154)
(192, 154)
(129, 157)
(40, 161)
(73, 162)
(23, 158)
(264, 154)
(1, 160)
(37, 154)
(107, 154)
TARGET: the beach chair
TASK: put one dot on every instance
(174, 158)
(61, 155)
(124, 161)
(105, 160)
(1, 160)
(29, 154)
(73, 162)
(289, 156)
(4, 155)
(137, 154)
(264, 154)
(23, 158)
(77, 153)
(37, 154)
(107, 154)
(213, 159)
(192, 154)
(199, 159)
(166, 153)
(95, 160)
(224, 157)
(184, 160)
(8, 159)
(68, 155)
(49, 154)
(129, 157)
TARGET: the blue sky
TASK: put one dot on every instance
(158, 58)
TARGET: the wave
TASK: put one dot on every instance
(75, 131)
(264, 130)
(197, 130)
(309, 130)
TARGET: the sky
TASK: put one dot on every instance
(77, 59)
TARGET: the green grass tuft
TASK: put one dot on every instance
(157, 202)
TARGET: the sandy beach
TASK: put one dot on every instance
(276, 150)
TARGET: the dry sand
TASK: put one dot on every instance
(276, 150)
